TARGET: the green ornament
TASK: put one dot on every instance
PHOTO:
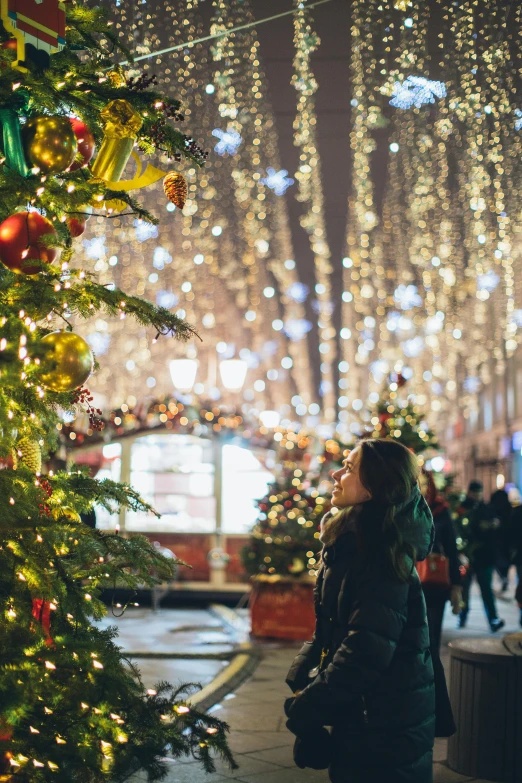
(12, 142)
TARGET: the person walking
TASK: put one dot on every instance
(500, 504)
(368, 672)
(440, 587)
(478, 527)
(515, 548)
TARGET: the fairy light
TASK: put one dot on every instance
(309, 181)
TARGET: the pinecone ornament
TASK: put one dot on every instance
(28, 453)
(175, 187)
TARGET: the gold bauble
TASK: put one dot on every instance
(67, 363)
(65, 512)
(117, 77)
(175, 188)
(50, 143)
(27, 452)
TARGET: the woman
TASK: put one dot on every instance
(445, 544)
(368, 672)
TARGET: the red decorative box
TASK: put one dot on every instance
(283, 609)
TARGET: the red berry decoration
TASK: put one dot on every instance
(20, 244)
(76, 226)
(86, 145)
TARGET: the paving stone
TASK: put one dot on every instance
(440, 751)
(282, 756)
(252, 741)
(443, 774)
(183, 773)
(285, 775)
(248, 765)
(251, 720)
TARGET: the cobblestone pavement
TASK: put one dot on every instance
(259, 739)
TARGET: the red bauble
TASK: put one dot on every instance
(76, 226)
(86, 144)
(20, 243)
(12, 43)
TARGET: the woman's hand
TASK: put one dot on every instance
(456, 601)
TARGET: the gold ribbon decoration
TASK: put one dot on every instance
(142, 179)
(122, 123)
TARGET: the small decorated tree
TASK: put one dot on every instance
(397, 416)
(285, 540)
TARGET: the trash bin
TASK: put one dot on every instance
(486, 697)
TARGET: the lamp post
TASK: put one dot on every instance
(270, 419)
(183, 373)
(233, 374)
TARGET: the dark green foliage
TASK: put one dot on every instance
(72, 708)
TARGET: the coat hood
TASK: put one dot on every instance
(414, 520)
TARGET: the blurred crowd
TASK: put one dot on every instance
(474, 538)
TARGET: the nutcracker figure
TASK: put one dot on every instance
(37, 25)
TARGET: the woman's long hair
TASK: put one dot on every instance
(389, 471)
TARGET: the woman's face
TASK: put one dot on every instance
(348, 490)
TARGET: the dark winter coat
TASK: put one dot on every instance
(478, 527)
(375, 686)
(445, 544)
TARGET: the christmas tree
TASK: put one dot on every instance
(397, 416)
(72, 709)
(285, 540)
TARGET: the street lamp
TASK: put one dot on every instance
(233, 373)
(270, 419)
(183, 373)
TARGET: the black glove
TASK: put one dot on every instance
(314, 750)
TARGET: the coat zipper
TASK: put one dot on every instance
(365, 710)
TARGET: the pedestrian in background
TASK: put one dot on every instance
(477, 528)
(502, 507)
(515, 547)
(440, 576)
(368, 672)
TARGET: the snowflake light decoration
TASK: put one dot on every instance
(278, 181)
(160, 257)
(518, 121)
(297, 328)
(229, 141)
(407, 297)
(379, 370)
(99, 342)
(298, 292)
(488, 281)
(434, 324)
(472, 384)
(144, 230)
(166, 299)
(413, 348)
(95, 247)
(416, 91)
